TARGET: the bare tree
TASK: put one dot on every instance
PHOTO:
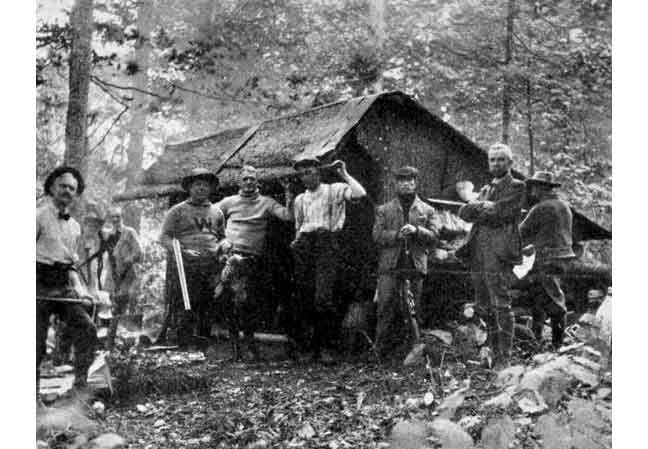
(139, 108)
(508, 57)
(76, 138)
(377, 26)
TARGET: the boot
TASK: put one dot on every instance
(558, 330)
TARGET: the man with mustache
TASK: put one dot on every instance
(199, 227)
(57, 239)
(247, 214)
(493, 247)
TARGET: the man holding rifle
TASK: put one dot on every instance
(197, 227)
(404, 231)
(58, 287)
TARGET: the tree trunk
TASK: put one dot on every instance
(377, 20)
(76, 136)
(508, 56)
(139, 110)
(530, 128)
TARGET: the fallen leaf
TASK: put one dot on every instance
(306, 431)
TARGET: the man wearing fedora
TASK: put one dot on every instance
(548, 228)
(320, 213)
(405, 230)
(198, 225)
(57, 240)
(493, 247)
(247, 214)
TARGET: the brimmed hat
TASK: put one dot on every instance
(406, 172)
(543, 178)
(93, 215)
(196, 174)
(307, 161)
(58, 171)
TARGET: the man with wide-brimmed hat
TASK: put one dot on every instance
(247, 214)
(57, 240)
(548, 228)
(493, 247)
(198, 225)
(320, 213)
(405, 230)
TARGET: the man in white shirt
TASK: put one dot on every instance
(319, 217)
(57, 238)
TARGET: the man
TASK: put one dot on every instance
(319, 217)
(247, 215)
(198, 225)
(124, 251)
(57, 238)
(548, 228)
(404, 231)
(493, 247)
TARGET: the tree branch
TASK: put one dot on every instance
(112, 125)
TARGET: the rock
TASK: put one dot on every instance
(107, 441)
(582, 374)
(554, 434)
(449, 435)
(587, 363)
(499, 433)
(510, 376)
(77, 442)
(469, 422)
(553, 387)
(415, 354)
(40, 444)
(530, 402)
(444, 336)
(543, 358)
(428, 399)
(502, 400)
(408, 435)
(158, 423)
(525, 421)
(450, 404)
(306, 431)
(604, 393)
(589, 429)
(99, 408)
(52, 420)
(258, 444)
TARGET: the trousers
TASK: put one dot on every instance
(548, 299)
(316, 257)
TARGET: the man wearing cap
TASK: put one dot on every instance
(548, 228)
(198, 225)
(405, 230)
(57, 240)
(124, 251)
(247, 214)
(493, 247)
(319, 217)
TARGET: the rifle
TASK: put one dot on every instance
(181, 274)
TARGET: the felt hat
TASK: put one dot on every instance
(307, 161)
(196, 174)
(59, 171)
(407, 172)
(543, 178)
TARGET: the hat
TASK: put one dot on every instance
(93, 215)
(58, 171)
(196, 174)
(406, 172)
(544, 178)
(307, 161)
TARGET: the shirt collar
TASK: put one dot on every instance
(205, 203)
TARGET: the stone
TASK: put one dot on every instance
(107, 441)
(510, 376)
(604, 393)
(582, 374)
(408, 435)
(449, 435)
(543, 358)
(530, 402)
(498, 433)
(554, 433)
(502, 400)
(553, 387)
(469, 422)
(450, 404)
(590, 430)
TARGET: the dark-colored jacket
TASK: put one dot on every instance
(495, 228)
(390, 219)
(548, 226)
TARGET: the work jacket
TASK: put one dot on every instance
(390, 219)
(495, 229)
